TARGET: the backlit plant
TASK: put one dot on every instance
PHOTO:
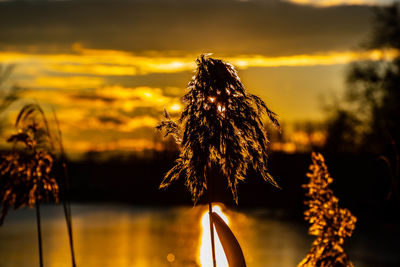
(220, 131)
(28, 172)
(329, 223)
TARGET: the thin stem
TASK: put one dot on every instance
(66, 197)
(68, 217)
(211, 222)
(67, 212)
(39, 231)
(212, 235)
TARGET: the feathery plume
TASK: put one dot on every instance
(329, 223)
(219, 130)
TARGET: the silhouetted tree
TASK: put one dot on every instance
(373, 94)
(370, 123)
(220, 131)
(341, 132)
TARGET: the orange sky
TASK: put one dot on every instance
(110, 79)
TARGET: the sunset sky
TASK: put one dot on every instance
(108, 68)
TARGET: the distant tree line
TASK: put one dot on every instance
(367, 119)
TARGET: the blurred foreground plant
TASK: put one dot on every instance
(220, 131)
(28, 171)
(8, 93)
(329, 223)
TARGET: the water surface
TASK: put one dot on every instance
(121, 235)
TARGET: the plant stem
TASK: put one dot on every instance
(66, 197)
(67, 212)
(39, 231)
(209, 192)
(212, 234)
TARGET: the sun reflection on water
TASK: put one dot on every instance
(205, 256)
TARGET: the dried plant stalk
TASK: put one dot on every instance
(329, 223)
(219, 131)
(27, 174)
(28, 171)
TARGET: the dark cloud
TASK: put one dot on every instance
(92, 96)
(225, 27)
(110, 119)
(109, 135)
(142, 111)
(179, 79)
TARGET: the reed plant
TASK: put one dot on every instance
(29, 171)
(220, 131)
(329, 223)
(8, 94)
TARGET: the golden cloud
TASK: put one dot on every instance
(326, 3)
(86, 63)
(75, 85)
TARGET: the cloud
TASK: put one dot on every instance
(109, 68)
(271, 28)
(110, 119)
(74, 82)
(92, 97)
(104, 118)
(131, 145)
(330, 58)
(86, 101)
(328, 3)
(80, 71)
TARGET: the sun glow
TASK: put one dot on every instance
(86, 63)
(205, 254)
(175, 107)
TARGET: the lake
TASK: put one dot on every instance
(123, 235)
